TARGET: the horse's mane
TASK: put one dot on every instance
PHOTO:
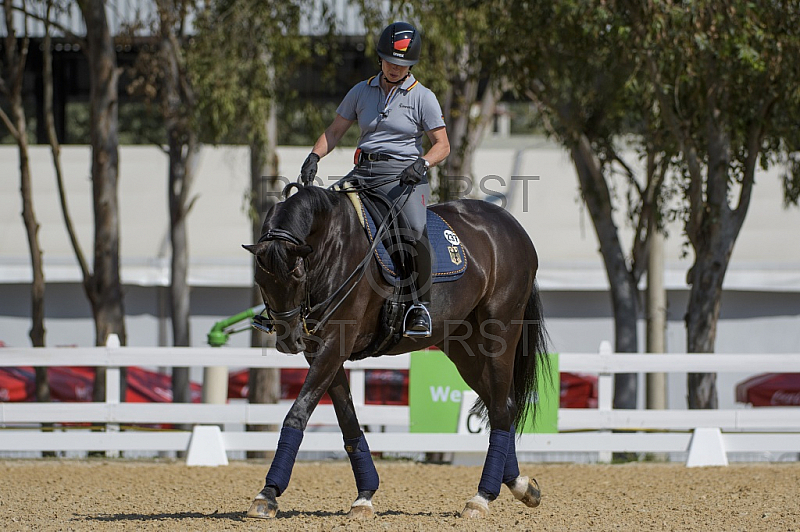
(296, 215)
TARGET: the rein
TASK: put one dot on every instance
(306, 309)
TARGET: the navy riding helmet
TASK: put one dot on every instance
(400, 44)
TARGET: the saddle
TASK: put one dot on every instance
(447, 254)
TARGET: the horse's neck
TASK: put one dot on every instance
(335, 239)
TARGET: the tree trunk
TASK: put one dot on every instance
(456, 173)
(37, 331)
(264, 383)
(712, 228)
(104, 288)
(623, 286)
(16, 53)
(178, 104)
(464, 131)
(706, 277)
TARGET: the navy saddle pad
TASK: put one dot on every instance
(449, 260)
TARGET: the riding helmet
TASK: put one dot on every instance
(400, 44)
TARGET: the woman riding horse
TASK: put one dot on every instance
(488, 323)
(311, 260)
(393, 110)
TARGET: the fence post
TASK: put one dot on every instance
(605, 395)
(358, 386)
(113, 387)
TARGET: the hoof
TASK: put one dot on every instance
(475, 507)
(262, 508)
(361, 509)
(527, 491)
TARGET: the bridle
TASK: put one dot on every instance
(305, 309)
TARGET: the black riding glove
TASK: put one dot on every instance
(414, 173)
(309, 170)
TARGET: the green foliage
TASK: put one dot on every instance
(139, 124)
(239, 61)
(576, 61)
(302, 123)
(732, 65)
(572, 58)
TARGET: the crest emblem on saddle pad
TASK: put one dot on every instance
(452, 238)
(455, 256)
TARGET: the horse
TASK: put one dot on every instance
(312, 244)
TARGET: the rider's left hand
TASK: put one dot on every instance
(415, 173)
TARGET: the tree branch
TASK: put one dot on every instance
(9, 125)
(648, 216)
(754, 139)
(63, 29)
(55, 148)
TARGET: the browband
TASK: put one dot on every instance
(281, 234)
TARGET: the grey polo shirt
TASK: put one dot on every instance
(392, 123)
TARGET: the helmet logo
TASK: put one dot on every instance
(402, 45)
(401, 40)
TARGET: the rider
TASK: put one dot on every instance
(393, 111)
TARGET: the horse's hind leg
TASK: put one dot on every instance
(523, 488)
(486, 363)
(355, 444)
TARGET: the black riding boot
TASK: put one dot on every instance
(418, 318)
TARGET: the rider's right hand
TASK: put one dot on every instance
(309, 170)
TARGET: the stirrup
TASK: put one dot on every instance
(417, 334)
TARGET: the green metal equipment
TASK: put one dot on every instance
(221, 331)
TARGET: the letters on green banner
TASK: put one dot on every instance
(436, 392)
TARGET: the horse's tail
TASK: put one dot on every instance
(531, 361)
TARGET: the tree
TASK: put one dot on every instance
(459, 62)
(163, 75)
(103, 286)
(241, 55)
(576, 64)
(724, 75)
(11, 87)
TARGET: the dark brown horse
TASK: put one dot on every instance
(312, 244)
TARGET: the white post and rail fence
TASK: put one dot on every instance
(707, 435)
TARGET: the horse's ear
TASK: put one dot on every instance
(256, 249)
(301, 251)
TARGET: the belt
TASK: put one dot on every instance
(364, 157)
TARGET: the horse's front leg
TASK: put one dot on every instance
(324, 367)
(355, 444)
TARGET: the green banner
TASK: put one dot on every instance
(435, 391)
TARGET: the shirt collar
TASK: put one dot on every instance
(407, 83)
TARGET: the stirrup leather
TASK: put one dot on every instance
(411, 334)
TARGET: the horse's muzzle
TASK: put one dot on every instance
(290, 348)
(291, 341)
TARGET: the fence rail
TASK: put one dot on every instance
(706, 434)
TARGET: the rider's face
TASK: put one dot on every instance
(392, 72)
